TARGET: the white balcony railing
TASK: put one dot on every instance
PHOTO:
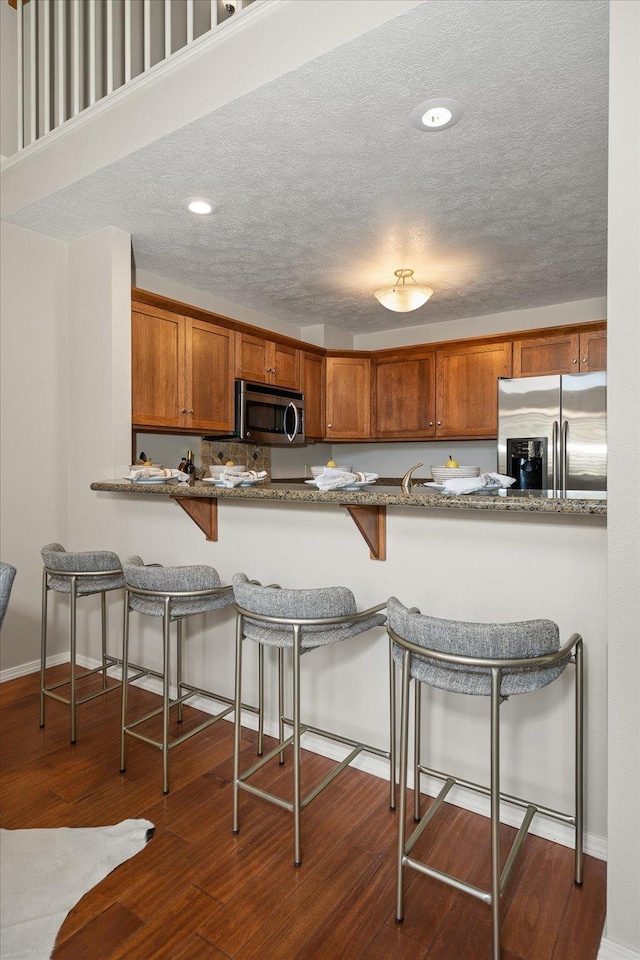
(72, 54)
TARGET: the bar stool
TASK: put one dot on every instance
(495, 660)
(7, 576)
(78, 575)
(173, 593)
(299, 620)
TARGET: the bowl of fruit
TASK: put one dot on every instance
(452, 470)
(331, 465)
(217, 469)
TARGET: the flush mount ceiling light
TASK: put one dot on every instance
(200, 206)
(404, 296)
(436, 114)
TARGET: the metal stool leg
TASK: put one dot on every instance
(392, 727)
(125, 684)
(417, 744)
(260, 699)
(72, 691)
(495, 810)
(237, 725)
(166, 638)
(281, 700)
(402, 806)
(297, 839)
(103, 612)
(179, 650)
(43, 645)
(579, 762)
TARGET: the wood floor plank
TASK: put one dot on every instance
(196, 892)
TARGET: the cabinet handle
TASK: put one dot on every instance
(574, 361)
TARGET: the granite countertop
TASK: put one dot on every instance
(385, 492)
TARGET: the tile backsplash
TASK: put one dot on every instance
(252, 456)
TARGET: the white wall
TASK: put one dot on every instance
(8, 69)
(623, 296)
(34, 462)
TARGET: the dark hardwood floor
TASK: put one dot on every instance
(198, 893)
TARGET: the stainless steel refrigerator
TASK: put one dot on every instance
(552, 432)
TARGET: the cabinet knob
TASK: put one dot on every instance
(329, 424)
(184, 410)
(189, 411)
(574, 361)
(584, 360)
(430, 423)
(439, 423)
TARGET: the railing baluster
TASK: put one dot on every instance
(189, 21)
(19, 42)
(46, 87)
(147, 34)
(76, 56)
(33, 73)
(109, 46)
(92, 52)
(167, 28)
(127, 41)
(60, 18)
(214, 14)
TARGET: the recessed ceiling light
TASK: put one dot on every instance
(437, 114)
(200, 206)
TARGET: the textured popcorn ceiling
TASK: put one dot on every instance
(325, 188)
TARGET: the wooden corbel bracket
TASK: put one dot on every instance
(203, 511)
(372, 524)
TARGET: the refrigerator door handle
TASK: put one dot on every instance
(565, 455)
(555, 453)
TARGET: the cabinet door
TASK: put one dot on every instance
(284, 366)
(467, 389)
(209, 376)
(252, 360)
(593, 351)
(157, 369)
(348, 398)
(546, 355)
(403, 396)
(313, 376)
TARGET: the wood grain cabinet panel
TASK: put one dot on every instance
(267, 361)
(546, 355)
(403, 396)
(348, 398)
(182, 373)
(313, 380)
(467, 389)
(157, 369)
(593, 351)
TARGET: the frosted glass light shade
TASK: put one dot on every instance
(403, 297)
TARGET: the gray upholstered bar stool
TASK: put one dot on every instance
(7, 576)
(301, 621)
(495, 660)
(172, 593)
(79, 574)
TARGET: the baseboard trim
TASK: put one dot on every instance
(609, 950)
(594, 846)
(12, 673)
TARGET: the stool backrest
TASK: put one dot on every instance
(63, 561)
(7, 575)
(169, 579)
(286, 604)
(519, 639)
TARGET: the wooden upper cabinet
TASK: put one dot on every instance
(348, 398)
(267, 361)
(593, 351)
(403, 395)
(467, 389)
(573, 351)
(181, 372)
(546, 355)
(157, 369)
(313, 379)
(209, 383)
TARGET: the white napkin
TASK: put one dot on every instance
(146, 473)
(230, 478)
(472, 484)
(333, 479)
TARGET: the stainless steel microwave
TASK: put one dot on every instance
(266, 414)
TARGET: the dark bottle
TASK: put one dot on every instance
(183, 464)
(189, 466)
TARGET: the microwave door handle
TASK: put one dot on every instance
(290, 436)
(554, 457)
(564, 444)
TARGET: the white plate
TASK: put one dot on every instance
(243, 483)
(440, 486)
(357, 485)
(156, 480)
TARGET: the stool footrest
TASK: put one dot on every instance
(337, 738)
(483, 895)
